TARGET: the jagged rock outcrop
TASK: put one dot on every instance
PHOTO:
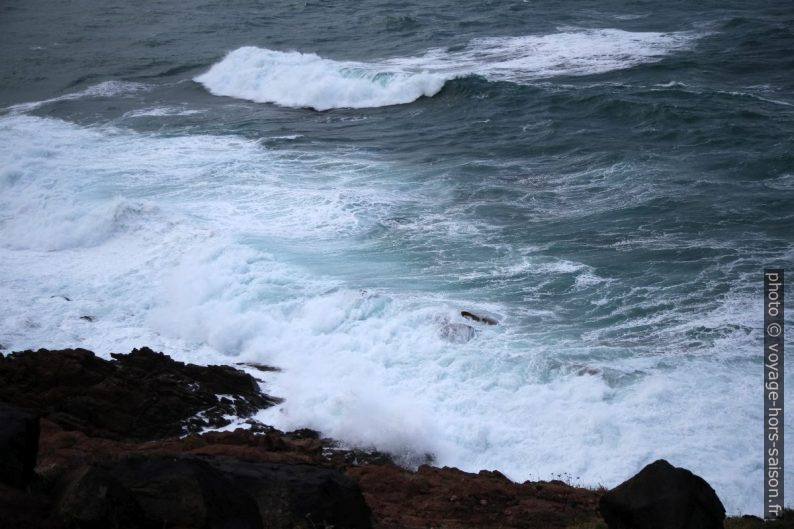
(142, 395)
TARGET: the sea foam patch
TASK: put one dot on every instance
(295, 79)
(103, 89)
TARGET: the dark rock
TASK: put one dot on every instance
(19, 444)
(138, 396)
(746, 522)
(333, 452)
(784, 521)
(260, 367)
(93, 498)
(258, 427)
(156, 492)
(304, 433)
(662, 496)
(298, 495)
(475, 317)
(23, 509)
(210, 492)
(457, 332)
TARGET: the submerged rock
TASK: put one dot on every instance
(588, 370)
(662, 496)
(457, 332)
(260, 367)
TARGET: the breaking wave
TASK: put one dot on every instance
(306, 80)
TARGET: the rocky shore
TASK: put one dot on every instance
(128, 442)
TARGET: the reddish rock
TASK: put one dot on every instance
(450, 498)
(61, 450)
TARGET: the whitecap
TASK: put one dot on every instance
(103, 89)
(306, 80)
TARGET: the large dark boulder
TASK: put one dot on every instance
(138, 396)
(299, 496)
(662, 496)
(155, 493)
(210, 492)
(19, 443)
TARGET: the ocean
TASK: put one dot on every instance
(325, 186)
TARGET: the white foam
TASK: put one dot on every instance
(103, 89)
(160, 112)
(215, 249)
(295, 79)
(573, 52)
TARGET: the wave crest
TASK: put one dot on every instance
(306, 80)
(295, 79)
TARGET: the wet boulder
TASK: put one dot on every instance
(662, 496)
(479, 319)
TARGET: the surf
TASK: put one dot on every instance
(307, 80)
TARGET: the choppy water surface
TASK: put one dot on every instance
(325, 186)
